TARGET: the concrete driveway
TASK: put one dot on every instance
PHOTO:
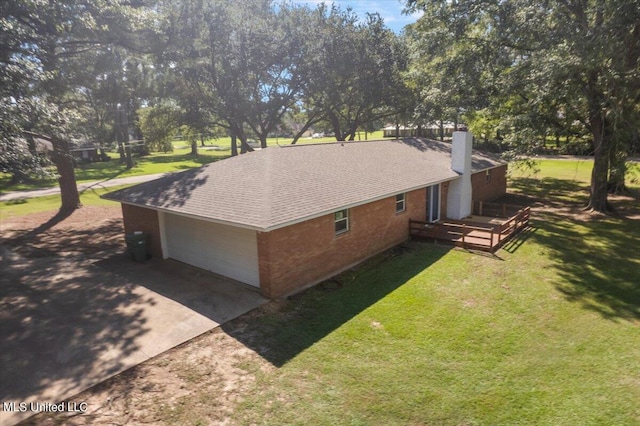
(68, 323)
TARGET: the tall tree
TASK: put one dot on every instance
(44, 39)
(353, 69)
(581, 57)
(239, 59)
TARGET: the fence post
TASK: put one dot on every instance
(504, 210)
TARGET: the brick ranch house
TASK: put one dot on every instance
(285, 218)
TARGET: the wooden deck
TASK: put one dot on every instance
(486, 230)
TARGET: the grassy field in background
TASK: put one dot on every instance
(21, 207)
(179, 159)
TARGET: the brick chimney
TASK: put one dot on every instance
(459, 197)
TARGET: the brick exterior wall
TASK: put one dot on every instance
(300, 255)
(145, 220)
(495, 188)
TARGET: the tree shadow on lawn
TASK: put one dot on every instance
(598, 261)
(177, 158)
(597, 256)
(312, 315)
(101, 174)
(552, 192)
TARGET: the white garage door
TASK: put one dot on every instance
(225, 250)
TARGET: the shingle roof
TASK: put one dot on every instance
(274, 187)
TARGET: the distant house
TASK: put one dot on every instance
(42, 146)
(392, 131)
(86, 152)
(284, 218)
(431, 130)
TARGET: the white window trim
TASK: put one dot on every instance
(344, 219)
(431, 203)
(402, 202)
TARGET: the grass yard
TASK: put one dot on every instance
(154, 163)
(547, 332)
(24, 206)
(179, 159)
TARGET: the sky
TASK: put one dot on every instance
(389, 10)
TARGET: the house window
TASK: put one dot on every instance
(400, 203)
(342, 221)
(487, 176)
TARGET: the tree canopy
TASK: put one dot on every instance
(515, 71)
(45, 56)
(535, 66)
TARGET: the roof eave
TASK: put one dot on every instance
(351, 205)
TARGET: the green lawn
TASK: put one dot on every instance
(24, 206)
(546, 333)
(226, 141)
(179, 159)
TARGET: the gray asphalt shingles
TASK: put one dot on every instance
(282, 185)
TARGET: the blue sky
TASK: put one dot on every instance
(390, 10)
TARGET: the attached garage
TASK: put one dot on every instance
(226, 250)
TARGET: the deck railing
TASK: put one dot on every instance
(501, 210)
(475, 235)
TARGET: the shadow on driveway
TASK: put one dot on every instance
(67, 323)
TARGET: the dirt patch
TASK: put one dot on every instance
(90, 231)
(198, 382)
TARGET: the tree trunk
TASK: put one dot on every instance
(201, 139)
(617, 172)
(335, 124)
(70, 198)
(352, 130)
(194, 147)
(598, 190)
(441, 131)
(234, 144)
(63, 161)
(244, 146)
(121, 152)
(129, 157)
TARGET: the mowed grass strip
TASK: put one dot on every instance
(158, 162)
(547, 332)
(25, 206)
(100, 171)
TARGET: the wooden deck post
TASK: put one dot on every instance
(463, 234)
(480, 209)
(504, 210)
